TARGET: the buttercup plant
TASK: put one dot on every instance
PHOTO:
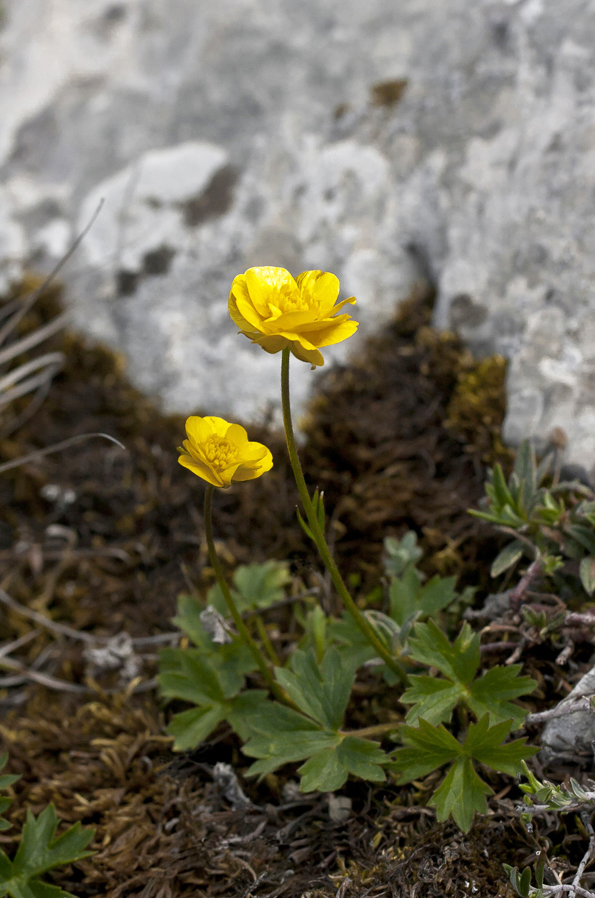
(301, 715)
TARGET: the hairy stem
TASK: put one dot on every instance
(318, 535)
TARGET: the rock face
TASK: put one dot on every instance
(576, 730)
(382, 141)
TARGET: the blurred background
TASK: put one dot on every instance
(451, 141)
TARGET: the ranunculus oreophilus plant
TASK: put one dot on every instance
(278, 311)
(221, 453)
(300, 717)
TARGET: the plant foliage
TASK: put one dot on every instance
(305, 722)
(39, 850)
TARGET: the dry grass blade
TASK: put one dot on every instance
(57, 447)
(32, 375)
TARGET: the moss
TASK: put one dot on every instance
(477, 406)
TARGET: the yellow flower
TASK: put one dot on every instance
(220, 452)
(276, 311)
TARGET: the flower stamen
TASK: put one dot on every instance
(219, 452)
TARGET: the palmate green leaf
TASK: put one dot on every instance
(403, 594)
(491, 694)
(232, 661)
(321, 691)
(39, 851)
(261, 585)
(188, 620)
(192, 678)
(190, 728)
(255, 586)
(43, 890)
(328, 769)
(461, 794)
(409, 596)
(429, 747)
(229, 663)
(484, 743)
(279, 735)
(432, 698)
(188, 675)
(458, 661)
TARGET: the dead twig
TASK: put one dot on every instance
(43, 679)
(590, 852)
(9, 647)
(565, 707)
(61, 629)
(518, 593)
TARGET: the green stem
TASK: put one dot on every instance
(233, 609)
(318, 535)
(264, 636)
(377, 730)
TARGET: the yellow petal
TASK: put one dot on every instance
(320, 288)
(201, 469)
(227, 475)
(197, 429)
(337, 334)
(322, 325)
(247, 311)
(290, 321)
(241, 291)
(264, 285)
(194, 450)
(301, 339)
(312, 356)
(236, 434)
(272, 344)
(218, 426)
(238, 291)
(351, 300)
(253, 453)
(248, 472)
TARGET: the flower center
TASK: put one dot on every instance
(219, 452)
(289, 300)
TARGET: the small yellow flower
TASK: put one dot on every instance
(276, 311)
(220, 452)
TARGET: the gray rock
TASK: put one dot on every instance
(576, 730)
(271, 132)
